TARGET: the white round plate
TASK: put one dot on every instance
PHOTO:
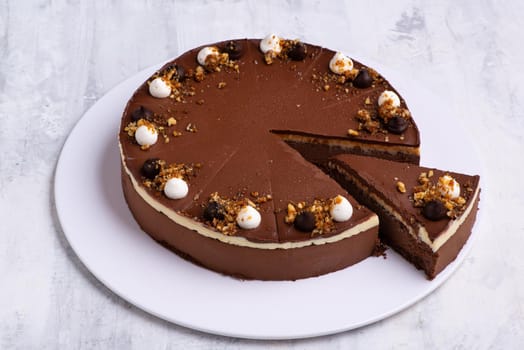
(104, 235)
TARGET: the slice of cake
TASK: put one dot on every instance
(425, 214)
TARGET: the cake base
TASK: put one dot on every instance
(246, 262)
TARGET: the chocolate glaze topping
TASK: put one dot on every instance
(229, 123)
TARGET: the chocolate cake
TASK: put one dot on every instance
(425, 214)
(214, 148)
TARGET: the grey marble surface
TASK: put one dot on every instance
(58, 57)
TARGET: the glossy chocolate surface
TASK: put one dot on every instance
(236, 115)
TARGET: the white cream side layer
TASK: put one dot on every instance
(235, 240)
(423, 235)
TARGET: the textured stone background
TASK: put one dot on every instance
(58, 57)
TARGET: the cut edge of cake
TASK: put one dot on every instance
(405, 229)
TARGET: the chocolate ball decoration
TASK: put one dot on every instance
(305, 221)
(213, 210)
(234, 49)
(363, 79)
(150, 169)
(397, 125)
(434, 210)
(297, 52)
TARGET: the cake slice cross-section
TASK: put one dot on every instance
(425, 214)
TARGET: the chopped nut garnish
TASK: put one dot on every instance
(401, 187)
(428, 191)
(423, 178)
(199, 73)
(326, 87)
(168, 171)
(263, 199)
(370, 122)
(211, 63)
(291, 213)
(191, 127)
(371, 126)
(225, 222)
(171, 121)
(172, 75)
(388, 111)
(363, 115)
(352, 132)
(131, 129)
(148, 124)
(418, 195)
(177, 133)
(367, 101)
(352, 74)
(269, 56)
(320, 208)
(222, 85)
